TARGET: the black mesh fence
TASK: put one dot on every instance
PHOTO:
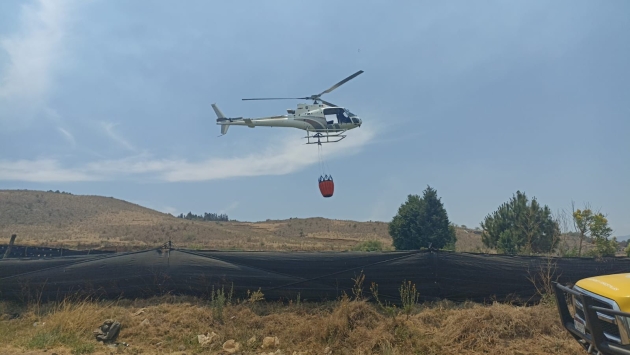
(23, 251)
(315, 276)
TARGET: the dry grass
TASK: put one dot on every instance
(63, 220)
(345, 326)
(469, 240)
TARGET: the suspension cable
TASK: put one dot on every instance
(320, 159)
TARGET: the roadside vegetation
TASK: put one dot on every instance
(354, 324)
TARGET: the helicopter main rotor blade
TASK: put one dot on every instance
(280, 98)
(328, 103)
(341, 83)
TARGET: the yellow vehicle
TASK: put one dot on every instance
(599, 318)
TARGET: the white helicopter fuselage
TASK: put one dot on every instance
(311, 118)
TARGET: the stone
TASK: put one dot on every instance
(205, 340)
(231, 346)
(108, 331)
(270, 342)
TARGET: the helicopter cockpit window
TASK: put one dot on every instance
(343, 117)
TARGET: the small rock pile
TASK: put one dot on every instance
(232, 346)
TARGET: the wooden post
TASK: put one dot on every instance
(6, 254)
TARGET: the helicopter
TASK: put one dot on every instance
(323, 121)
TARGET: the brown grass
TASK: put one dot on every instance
(345, 326)
(63, 220)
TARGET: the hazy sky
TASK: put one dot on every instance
(477, 99)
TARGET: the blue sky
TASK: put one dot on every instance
(477, 99)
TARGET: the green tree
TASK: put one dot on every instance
(595, 225)
(600, 232)
(520, 226)
(422, 222)
(582, 220)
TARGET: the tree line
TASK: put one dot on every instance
(59, 192)
(518, 226)
(205, 217)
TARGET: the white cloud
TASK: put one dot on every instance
(281, 157)
(44, 170)
(109, 130)
(32, 52)
(67, 135)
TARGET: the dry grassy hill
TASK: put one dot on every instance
(59, 219)
(74, 221)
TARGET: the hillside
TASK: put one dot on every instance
(76, 221)
(59, 219)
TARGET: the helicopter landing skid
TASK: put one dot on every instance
(324, 137)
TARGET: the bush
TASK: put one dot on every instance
(369, 245)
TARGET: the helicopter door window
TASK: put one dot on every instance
(338, 113)
(330, 119)
(330, 116)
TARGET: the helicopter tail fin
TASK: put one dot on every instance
(220, 118)
(220, 114)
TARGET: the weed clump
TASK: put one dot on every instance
(408, 297)
(218, 302)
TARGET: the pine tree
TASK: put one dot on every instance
(422, 222)
(519, 226)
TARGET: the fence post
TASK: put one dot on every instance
(6, 253)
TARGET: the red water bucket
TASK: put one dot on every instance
(326, 186)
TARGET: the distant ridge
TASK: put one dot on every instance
(59, 219)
